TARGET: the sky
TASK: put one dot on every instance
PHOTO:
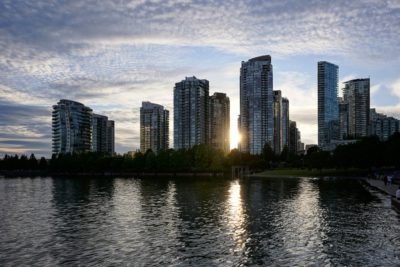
(112, 55)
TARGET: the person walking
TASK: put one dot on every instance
(385, 180)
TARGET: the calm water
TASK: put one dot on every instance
(206, 222)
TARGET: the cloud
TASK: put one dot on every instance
(300, 89)
(25, 129)
(384, 97)
(114, 55)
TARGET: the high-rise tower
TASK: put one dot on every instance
(285, 122)
(99, 133)
(191, 118)
(256, 105)
(154, 127)
(219, 122)
(356, 94)
(71, 127)
(328, 113)
(102, 134)
(278, 127)
(110, 137)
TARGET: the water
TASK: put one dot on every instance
(203, 222)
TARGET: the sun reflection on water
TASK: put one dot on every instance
(236, 216)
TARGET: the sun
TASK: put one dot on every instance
(235, 137)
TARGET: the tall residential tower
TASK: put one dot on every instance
(256, 125)
(219, 122)
(285, 122)
(102, 134)
(71, 127)
(278, 127)
(328, 113)
(356, 97)
(191, 117)
(154, 127)
(110, 137)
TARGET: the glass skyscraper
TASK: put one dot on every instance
(71, 127)
(328, 109)
(256, 125)
(154, 127)
(191, 116)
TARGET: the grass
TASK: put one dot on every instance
(311, 173)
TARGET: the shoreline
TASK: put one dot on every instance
(388, 189)
(27, 174)
(309, 177)
(325, 173)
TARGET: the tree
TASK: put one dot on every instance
(150, 160)
(42, 164)
(392, 150)
(33, 164)
(268, 155)
(284, 156)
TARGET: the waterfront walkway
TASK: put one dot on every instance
(389, 189)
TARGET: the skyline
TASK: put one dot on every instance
(92, 54)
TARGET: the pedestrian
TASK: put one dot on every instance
(398, 193)
(385, 180)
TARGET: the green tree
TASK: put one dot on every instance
(268, 155)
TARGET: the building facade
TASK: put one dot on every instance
(110, 137)
(191, 118)
(294, 138)
(219, 128)
(256, 127)
(382, 125)
(71, 127)
(285, 122)
(328, 109)
(356, 95)
(278, 123)
(343, 119)
(102, 135)
(154, 127)
(99, 133)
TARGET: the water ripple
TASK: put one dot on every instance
(202, 222)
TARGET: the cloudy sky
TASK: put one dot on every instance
(111, 55)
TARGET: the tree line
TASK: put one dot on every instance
(366, 153)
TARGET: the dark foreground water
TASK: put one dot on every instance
(202, 222)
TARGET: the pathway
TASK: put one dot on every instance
(389, 189)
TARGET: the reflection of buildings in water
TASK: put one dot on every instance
(151, 221)
(126, 201)
(82, 216)
(303, 224)
(263, 203)
(202, 220)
